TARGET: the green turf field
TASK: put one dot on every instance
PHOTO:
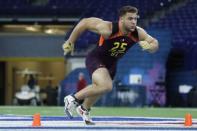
(102, 111)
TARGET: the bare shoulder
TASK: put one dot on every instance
(98, 26)
(104, 27)
(140, 30)
(142, 33)
(98, 21)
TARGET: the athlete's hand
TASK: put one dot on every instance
(68, 48)
(145, 45)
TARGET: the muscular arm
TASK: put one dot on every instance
(93, 24)
(147, 42)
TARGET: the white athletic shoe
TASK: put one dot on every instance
(85, 114)
(70, 105)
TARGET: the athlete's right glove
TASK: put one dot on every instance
(68, 48)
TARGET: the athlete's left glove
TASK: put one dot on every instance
(68, 48)
(145, 45)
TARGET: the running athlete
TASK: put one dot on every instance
(115, 40)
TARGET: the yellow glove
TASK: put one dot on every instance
(68, 48)
(145, 45)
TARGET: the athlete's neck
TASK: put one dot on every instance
(122, 29)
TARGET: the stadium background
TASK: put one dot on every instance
(33, 31)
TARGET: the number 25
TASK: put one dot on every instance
(120, 46)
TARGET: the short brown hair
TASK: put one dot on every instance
(123, 10)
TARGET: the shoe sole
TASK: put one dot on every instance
(89, 123)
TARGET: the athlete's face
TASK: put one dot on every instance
(129, 21)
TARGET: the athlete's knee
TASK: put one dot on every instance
(107, 86)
